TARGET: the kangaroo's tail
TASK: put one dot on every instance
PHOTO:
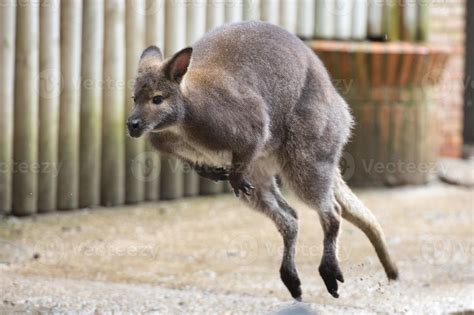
(354, 211)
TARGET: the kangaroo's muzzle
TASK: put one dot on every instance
(135, 127)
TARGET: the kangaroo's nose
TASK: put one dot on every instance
(133, 124)
(134, 127)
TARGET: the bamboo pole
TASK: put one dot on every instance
(270, 11)
(423, 20)
(196, 21)
(343, 19)
(25, 178)
(135, 159)
(305, 22)
(195, 28)
(175, 39)
(49, 93)
(70, 107)
(7, 71)
(359, 20)
(288, 15)
(409, 21)
(392, 19)
(325, 19)
(252, 9)
(113, 122)
(233, 11)
(155, 27)
(215, 14)
(376, 29)
(91, 103)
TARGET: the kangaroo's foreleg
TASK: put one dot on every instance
(210, 172)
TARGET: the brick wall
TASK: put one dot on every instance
(447, 18)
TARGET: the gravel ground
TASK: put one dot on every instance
(214, 256)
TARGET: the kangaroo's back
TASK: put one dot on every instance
(259, 56)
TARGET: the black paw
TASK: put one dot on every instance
(240, 184)
(331, 273)
(292, 282)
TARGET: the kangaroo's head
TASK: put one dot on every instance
(158, 99)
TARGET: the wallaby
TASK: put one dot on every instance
(247, 102)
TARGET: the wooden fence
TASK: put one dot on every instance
(66, 78)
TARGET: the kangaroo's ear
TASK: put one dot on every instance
(151, 52)
(177, 66)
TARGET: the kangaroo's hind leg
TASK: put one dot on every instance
(267, 199)
(314, 186)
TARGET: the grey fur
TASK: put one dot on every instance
(255, 100)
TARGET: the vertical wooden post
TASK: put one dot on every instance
(306, 19)
(70, 108)
(215, 17)
(215, 14)
(325, 19)
(113, 141)
(343, 19)
(49, 93)
(468, 130)
(233, 11)
(359, 20)
(270, 11)
(375, 21)
(7, 70)
(195, 28)
(25, 177)
(196, 21)
(175, 39)
(409, 21)
(288, 15)
(392, 19)
(135, 157)
(252, 9)
(155, 35)
(423, 20)
(91, 102)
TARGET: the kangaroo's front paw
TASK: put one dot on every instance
(218, 174)
(239, 184)
(331, 273)
(213, 173)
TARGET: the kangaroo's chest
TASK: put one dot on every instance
(198, 153)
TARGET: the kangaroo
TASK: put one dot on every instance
(249, 102)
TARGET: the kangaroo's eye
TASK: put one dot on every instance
(157, 100)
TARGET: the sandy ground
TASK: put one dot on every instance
(214, 256)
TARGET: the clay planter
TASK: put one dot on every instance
(392, 91)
